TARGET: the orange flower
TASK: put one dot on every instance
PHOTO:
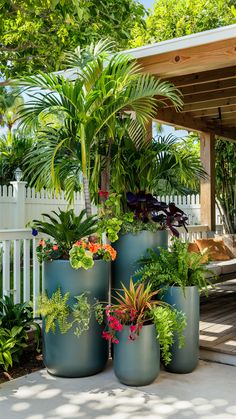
(80, 243)
(111, 250)
(55, 247)
(94, 247)
(42, 243)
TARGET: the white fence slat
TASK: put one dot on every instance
(36, 276)
(26, 270)
(6, 268)
(16, 271)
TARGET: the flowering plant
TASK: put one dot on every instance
(135, 306)
(81, 255)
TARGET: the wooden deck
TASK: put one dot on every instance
(218, 323)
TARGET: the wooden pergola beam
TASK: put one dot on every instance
(189, 123)
(208, 104)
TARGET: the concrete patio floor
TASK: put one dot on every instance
(210, 391)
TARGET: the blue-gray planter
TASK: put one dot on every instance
(185, 360)
(67, 355)
(130, 248)
(137, 363)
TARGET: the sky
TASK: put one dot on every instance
(147, 3)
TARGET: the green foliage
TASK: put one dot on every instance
(138, 225)
(19, 315)
(55, 310)
(82, 314)
(106, 87)
(58, 312)
(12, 344)
(160, 167)
(111, 219)
(35, 34)
(172, 19)
(225, 183)
(170, 324)
(81, 258)
(12, 155)
(174, 266)
(66, 228)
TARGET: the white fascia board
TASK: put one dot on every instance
(189, 41)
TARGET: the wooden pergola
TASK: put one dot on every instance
(203, 67)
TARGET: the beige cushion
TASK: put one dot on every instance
(216, 249)
(230, 242)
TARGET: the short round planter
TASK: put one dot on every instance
(185, 360)
(130, 248)
(67, 355)
(137, 363)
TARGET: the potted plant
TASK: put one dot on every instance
(144, 225)
(139, 325)
(75, 262)
(182, 276)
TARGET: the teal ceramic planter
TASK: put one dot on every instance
(185, 360)
(137, 363)
(67, 355)
(130, 248)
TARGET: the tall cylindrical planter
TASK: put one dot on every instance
(185, 360)
(67, 355)
(137, 363)
(130, 248)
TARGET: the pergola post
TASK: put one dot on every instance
(207, 188)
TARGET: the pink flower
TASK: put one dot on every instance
(107, 335)
(115, 340)
(55, 247)
(133, 328)
(108, 311)
(132, 314)
(114, 323)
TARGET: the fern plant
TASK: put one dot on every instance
(66, 228)
(174, 266)
(57, 311)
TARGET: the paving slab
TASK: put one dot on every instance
(210, 391)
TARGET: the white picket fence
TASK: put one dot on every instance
(22, 275)
(20, 204)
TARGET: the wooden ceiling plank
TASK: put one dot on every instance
(209, 87)
(204, 77)
(208, 104)
(225, 112)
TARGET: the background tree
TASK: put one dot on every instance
(106, 86)
(34, 34)
(172, 19)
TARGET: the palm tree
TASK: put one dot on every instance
(106, 86)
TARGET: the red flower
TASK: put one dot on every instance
(42, 243)
(103, 193)
(115, 340)
(55, 247)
